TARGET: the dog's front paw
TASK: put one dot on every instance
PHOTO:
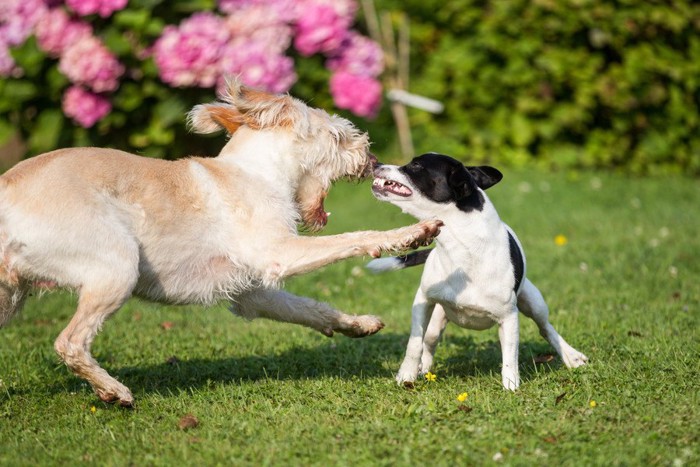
(407, 374)
(511, 381)
(361, 326)
(423, 233)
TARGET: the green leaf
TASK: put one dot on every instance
(132, 19)
(14, 93)
(170, 111)
(46, 131)
(129, 97)
(29, 57)
(115, 40)
(6, 131)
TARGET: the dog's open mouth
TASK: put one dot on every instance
(384, 186)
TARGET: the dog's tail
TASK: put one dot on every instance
(394, 263)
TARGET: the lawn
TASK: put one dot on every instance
(623, 285)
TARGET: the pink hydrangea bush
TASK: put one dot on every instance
(17, 21)
(323, 25)
(89, 63)
(189, 55)
(104, 8)
(257, 65)
(55, 31)
(359, 94)
(85, 107)
(252, 39)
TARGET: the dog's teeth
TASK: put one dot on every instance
(328, 214)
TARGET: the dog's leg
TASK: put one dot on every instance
(509, 335)
(299, 255)
(420, 318)
(95, 304)
(431, 338)
(280, 305)
(532, 305)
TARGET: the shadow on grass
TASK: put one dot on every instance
(376, 356)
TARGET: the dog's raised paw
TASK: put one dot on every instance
(421, 234)
(362, 326)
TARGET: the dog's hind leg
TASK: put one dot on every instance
(532, 304)
(95, 305)
(437, 325)
(280, 305)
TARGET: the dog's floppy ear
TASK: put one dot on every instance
(485, 176)
(210, 118)
(241, 105)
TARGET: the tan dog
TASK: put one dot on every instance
(110, 225)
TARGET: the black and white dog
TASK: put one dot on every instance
(475, 275)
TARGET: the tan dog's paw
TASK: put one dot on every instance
(117, 393)
(361, 326)
(420, 234)
(408, 238)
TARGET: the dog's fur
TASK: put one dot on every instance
(110, 225)
(475, 275)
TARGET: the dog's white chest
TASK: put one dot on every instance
(471, 296)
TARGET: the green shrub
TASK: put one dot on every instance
(577, 83)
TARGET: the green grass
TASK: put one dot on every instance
(624, 290)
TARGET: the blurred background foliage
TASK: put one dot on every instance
(562, 84)
(572, 84)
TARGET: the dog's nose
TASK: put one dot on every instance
(373, 161)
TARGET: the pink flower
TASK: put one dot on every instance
(55, 31)
(258, 66)
(85, 107)
(256, 12)
(263, 21)
(322, 25)
(189, 55)
(17, 19)
(102, 7)
(90, 63)
(359, 55)
(362, 95)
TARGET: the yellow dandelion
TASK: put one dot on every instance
(592, 404)
(560, 240)
(462, 397)
(93, 409)
(430, 376)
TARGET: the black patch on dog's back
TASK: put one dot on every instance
(516, 257)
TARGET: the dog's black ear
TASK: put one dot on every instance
(485, 176)
(460, 183)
